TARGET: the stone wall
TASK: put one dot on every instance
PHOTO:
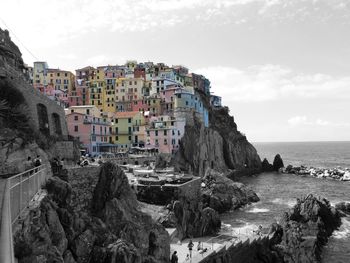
(13, 77)
(163, 195)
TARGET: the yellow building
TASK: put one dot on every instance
(127, 128)
(129, 89)
(89, 110)
(154, 104)
(59, 79)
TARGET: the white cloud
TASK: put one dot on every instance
(304, 120)
(298, 120)
(274, 82)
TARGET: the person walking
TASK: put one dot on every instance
(174, 258)
(190, 247)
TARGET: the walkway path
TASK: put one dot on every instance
(210, 244)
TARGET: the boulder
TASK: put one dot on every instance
(277, 163)
(266, 166)
(223, 194)
(306, 229)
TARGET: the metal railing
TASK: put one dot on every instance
(17, 193)
(23, 187)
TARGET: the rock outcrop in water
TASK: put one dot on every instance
(223, 194)
(306, 229)
(220, 147)
(266, 166)
(299, 238)
(277, 163)
(106, 226)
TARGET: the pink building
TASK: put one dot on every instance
(79, 96)
(164, 133)
(92, 132)
(139, 105)
(60, 96)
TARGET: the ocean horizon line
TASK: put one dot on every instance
(258, 142)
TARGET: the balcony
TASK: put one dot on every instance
(87, 121)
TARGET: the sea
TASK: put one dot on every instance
(278, 192)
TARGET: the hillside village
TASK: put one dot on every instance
(114, 108)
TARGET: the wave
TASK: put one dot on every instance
(281, 201)
(344, 230)
(258, 210)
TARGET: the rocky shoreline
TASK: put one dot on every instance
(340, 174)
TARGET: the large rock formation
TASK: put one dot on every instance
(306, 229)
(222, 194)
(106, 227)
(219, 147)
(303, 232)
(277, 162)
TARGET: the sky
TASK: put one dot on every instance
(281, 66)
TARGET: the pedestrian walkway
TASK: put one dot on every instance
(209, 244)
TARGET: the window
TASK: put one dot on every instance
(129, 130)
(173, 141)
(88, 111)
(165, 141)
(173, 132)
(129, 138)
(156, 133)
(178, 133)
(130, 82)
(76, 128)
(165, 132)
(156, 142)
(147, 133)
(129, 120)
(93, 138)
(116, 138)
(76, 117)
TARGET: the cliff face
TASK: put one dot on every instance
(306, 229)
(96, 220)
(222, 194)
(220, 147)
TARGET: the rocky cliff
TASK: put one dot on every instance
(300, 237)
(220, 147)
(223, 194)
(306, 229)
(97, 220)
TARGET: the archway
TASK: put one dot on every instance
(57, 123)
(43, 119)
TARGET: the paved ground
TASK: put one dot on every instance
(208, 243)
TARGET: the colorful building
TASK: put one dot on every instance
(164, 133)
(92, 132)
(123, 125)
